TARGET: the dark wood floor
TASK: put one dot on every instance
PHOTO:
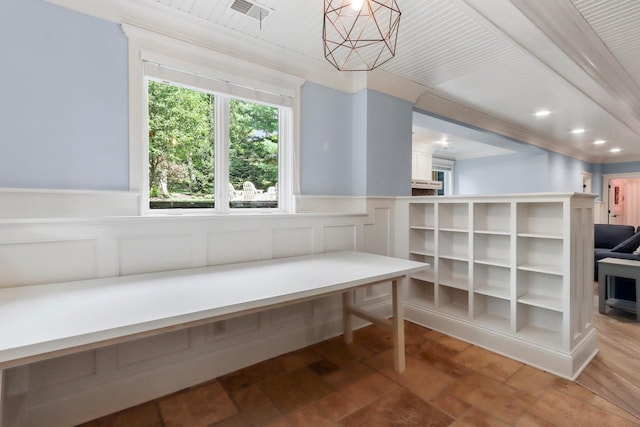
(614, 374)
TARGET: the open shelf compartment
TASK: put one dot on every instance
(492, 217)
(540, 255)
(539, 325)
(492, 281)
(540, 219)
(453, 273)
(453, 245)
(421, 292)
(491, 312)
(540, 290)
(453, 301)
(422, 215)
(453, 216)
(421, 241)
(492, 249)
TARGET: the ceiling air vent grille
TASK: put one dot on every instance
(252, 10)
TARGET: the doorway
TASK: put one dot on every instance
(623, 199)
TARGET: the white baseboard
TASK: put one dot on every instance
(562, 364)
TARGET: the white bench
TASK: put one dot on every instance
(44, 321)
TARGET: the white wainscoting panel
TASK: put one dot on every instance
(292, 242)
(233, 246)
(155, 253)
(62, 369)
(47, 262)
(342, 238)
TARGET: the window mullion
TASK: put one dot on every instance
(221, 120)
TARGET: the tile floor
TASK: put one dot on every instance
(447, 382)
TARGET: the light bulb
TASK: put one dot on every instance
(356, 4)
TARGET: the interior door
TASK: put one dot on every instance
(616, 202)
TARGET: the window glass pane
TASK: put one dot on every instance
(253, 155)
(181, 147)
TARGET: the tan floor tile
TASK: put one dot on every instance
(492, 396)
(438, 356)
(269, 368)
(293, 390)
(197, 407)
(563, 410)
(424, 380)
(145, 415)
(348, 375)
(531, 380)
(341, 354)
(264, 415)
(312, 416)
(476, 418)
(447, 341)
(398, 408)
(367, 390)
(373, 338)
(488, 363)
(450, 404)
(248, 397)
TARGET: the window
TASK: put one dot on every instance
(209, 149)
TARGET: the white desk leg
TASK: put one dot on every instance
(398, 326)
(346, 317)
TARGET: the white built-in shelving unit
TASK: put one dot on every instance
(512, 273)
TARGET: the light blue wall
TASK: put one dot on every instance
(565, 173)
(354, 145)
(326, 150)
(510, 173)
(63, 99)
(388, 145)
(627, 167)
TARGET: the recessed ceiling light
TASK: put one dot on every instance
(599, 141)
(443, 142)
(616, 150)
(542, 113)
(577, 131)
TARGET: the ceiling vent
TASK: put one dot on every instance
(250, 9)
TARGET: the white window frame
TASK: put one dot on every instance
(223, 74)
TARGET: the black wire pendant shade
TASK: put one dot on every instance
(360, 35)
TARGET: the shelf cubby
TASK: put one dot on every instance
(492, 312)
(422, 215)
(540, 290)
(492, 249)
(492, 281)
(453, 245)
(453, 273)
(421, 242)
(540, 219)
(539, 325)
(540, 255)
(421, 292)
(453, 216)
(453, 301)
(492, 218)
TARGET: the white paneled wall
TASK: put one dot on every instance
(72, 389)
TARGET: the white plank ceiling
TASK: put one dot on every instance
(579, 59)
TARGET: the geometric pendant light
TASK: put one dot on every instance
(360, 35)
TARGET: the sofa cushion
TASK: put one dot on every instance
(629, 245)
(609, 235)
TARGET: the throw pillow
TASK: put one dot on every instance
(629, 245)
